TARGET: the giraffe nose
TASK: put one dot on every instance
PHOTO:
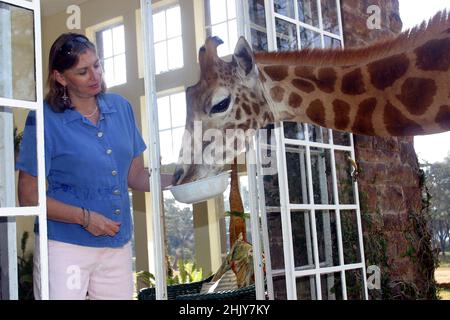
(177, 175)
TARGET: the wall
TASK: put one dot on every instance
(389, 181)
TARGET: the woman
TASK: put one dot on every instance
(93, 154)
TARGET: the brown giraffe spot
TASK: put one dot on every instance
(247, 109)
(303, 85)
(304, 72)
(277, 73)
(277, 93)
(295, 100)
(363, 122)
(252, 95)
(353, 83)
(325, 80)
(316, 112)
(397, 124)
(443, 117)
(341, 114)
(244, 97)
(417, 94)
(246, 125)
(385, 72)
(434, 55)
(237, 100)
(256, 108)
(238, 114)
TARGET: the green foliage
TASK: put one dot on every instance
(25, 271)
(18, 136)
(187, 272)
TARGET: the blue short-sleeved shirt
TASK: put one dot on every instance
(87, 165)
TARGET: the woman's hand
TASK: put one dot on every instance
(99, 225)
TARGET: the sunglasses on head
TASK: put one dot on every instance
(70, 44)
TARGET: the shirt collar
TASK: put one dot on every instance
(104, 106)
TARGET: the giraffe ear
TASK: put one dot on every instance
(243, 55)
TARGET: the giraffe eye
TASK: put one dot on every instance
(222, 106)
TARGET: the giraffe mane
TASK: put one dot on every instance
(409, 39)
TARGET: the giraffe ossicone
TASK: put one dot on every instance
(395, 87)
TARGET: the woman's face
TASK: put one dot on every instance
(83, 80)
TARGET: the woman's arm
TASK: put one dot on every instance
(138, 176)
(59, 211)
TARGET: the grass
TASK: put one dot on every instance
(442, 275)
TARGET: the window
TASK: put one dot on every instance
(221, 21)
(168, 40)
(172, 117)
(111, 47)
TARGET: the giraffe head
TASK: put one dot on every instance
(227, 101)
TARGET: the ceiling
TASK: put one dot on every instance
(51, 7)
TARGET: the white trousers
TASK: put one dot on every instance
(79, 272)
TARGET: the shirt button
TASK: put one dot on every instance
(100, 134)
(114, 173)
(109, 151)
(117, 211)
(116, 192)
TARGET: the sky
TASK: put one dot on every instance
(431, 148)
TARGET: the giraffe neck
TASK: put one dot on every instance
(400, 91)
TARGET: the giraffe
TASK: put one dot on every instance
(395, 87)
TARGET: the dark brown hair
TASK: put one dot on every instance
(64, 54)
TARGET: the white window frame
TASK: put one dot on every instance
(164, 8)
(39, 211)
(285, 206)
(114, 55)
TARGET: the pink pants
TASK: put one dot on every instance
(79, 272)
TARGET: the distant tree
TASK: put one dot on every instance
(179, 231)
(438, 181)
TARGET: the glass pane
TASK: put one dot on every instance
(341, 138)
(231, 9)
(279, 287)
(178, 106)
(159, 26)
(344, 177)
(318, 134)
(350, 237)
(18, 72)
(284, 7)
(310, 39)
(306, 288)
(17, 151)
(308, 12)
(217, 11)
(161, 57)
(296, 172)
(321, 176)
(107, 44)
(259, 40)
(330, 42)
(109, 71)
(120, 69)
(270, 179)
(355, 284)
(329, 16)
(275, 240)
(175, 51)
(286, 35)
(119, 39)
(293, 130)
(164, 120)
(257, 12)
(331, 286)
(302, 240)
(173, 22)
(165, 139)
(327, 238)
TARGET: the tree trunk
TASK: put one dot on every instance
(237, 224)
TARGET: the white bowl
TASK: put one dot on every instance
(201, 190)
